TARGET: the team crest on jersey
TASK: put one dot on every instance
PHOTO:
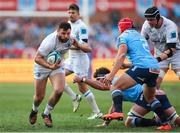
(173, 34)
(38, 74)
(83, 31)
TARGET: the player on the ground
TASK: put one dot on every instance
(163, 34)
(144, 70)
(134, 94)
(57, 41)
(78, 61)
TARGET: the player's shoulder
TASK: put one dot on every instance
(146, 25)
(168, 23)
(81, 24)
(49, 39)
(51, 36)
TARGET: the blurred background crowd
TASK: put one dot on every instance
(21, 36)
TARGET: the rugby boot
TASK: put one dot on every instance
(165, 127)
(76, 102)
(114, 115)
(47, 120)
(33, 117)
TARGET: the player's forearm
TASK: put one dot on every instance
(95, 84)
(85, 48)
(118, 64)
(41, 61)
(165, 54)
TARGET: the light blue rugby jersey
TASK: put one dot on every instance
(138, 51)
(132, 93)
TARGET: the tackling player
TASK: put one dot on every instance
(163, 33)
(61, 42)
(135, 95)
(144, 70)
(78, 61)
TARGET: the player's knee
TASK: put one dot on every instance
(155, 104)
(162, 74)
(58, 92)
(173, 118)
(131, 119)
(39, 97)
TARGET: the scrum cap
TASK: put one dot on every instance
(152, 13)
(124, 24)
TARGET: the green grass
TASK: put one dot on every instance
(16, 102)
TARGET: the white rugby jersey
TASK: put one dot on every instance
(78, 31)
(167, 33)
(52, 43)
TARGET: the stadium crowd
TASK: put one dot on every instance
(20, 36)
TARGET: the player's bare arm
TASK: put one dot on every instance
(93, 83)
(118, 63)
(126, 65)
(39, 59)
(171, 48)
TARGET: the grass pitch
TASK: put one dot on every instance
(16, 103)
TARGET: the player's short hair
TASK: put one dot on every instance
(64, 25)
(73, 7)
(152, 13)
(101, 72)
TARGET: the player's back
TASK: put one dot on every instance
(138, 50)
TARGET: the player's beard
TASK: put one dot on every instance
(63, 40)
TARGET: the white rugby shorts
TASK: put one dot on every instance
(79, 65)
(40, 74)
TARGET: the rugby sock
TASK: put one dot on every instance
(91, 100)
(157, 108)
(69, 91)
(34, 108)
(143, 122)
(117, 99)
(48, 109)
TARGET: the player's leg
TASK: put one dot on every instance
(164, 67)
(149, 94)
(160, 78)
(168, 108)
(87, 93)
(136, 117)
(107, 122)
(58, 81)
(76, 99)
(123, 82)
(175, 63)
(81, 68)
(40, 86)
(155, 104)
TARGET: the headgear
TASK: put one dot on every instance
(152, 13)
(124, 24)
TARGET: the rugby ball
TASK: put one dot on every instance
(53, 57)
